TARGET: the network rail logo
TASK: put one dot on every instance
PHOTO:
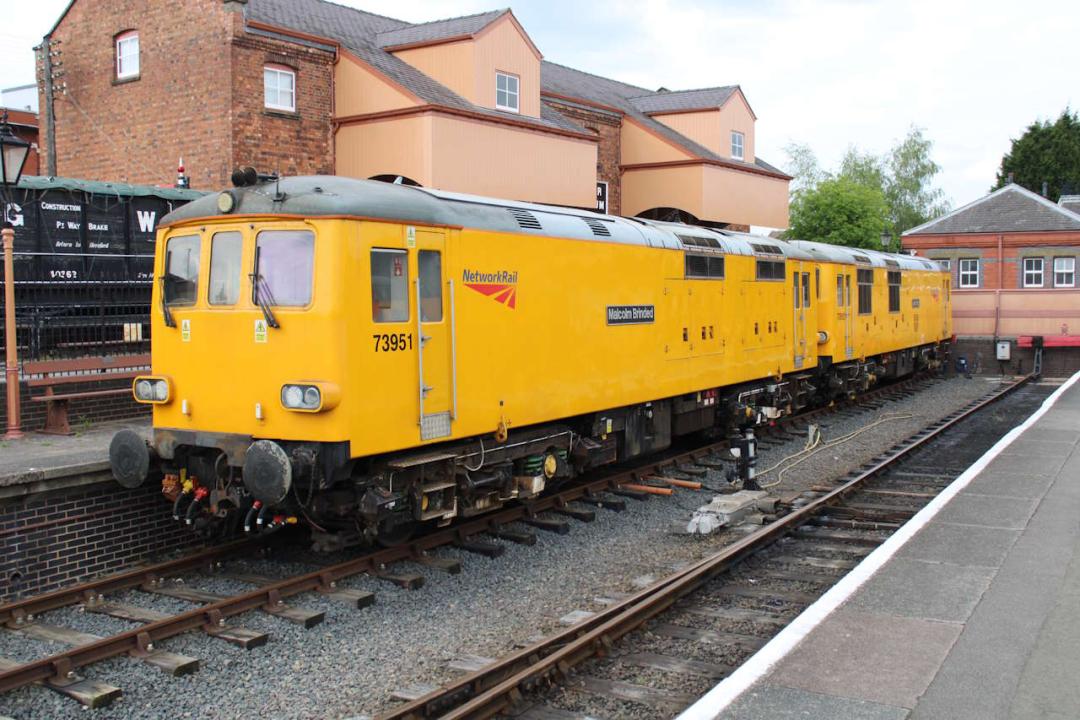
(501, 285)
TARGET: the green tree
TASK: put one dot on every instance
(908, 187)
(839, 211)
(902, 179)
(1046, 152)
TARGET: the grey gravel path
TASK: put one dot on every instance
(348, 665)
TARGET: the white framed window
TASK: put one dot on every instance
(1064, 272)
(507, 92)
(127, 55)
(969, 272)
(1033, 272)
(279, 88)
(737, 144)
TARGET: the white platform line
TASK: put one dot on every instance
(727, 691)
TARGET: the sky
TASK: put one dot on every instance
(829, 74)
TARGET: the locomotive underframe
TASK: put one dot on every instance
(217, 488)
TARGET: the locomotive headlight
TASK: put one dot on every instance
(309, 397)
(154, 390)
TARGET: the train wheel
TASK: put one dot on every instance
(393, 532)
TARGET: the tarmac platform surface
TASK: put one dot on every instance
(38, 457)
(976, 615)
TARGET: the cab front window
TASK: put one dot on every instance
(284, 267)
(180, 284)
(225, 251)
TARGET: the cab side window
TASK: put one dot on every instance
(389, 285)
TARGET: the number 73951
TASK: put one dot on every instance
(392, 342)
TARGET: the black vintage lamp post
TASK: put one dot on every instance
(13, 154)
(886, 240)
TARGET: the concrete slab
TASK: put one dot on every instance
(1053, 434)
(1021, 465)
(927, 590)
(960, 544)
(988, 511)
(1009, 485)
(1048, 686)
(1039, 448)
(850, 653)
(772, 702)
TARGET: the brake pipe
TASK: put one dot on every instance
(251, 513)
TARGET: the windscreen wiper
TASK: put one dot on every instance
(258, 288)
(165, 311)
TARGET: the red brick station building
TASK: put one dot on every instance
(1015, 261)
(466, 104)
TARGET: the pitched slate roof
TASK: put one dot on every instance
(358, 32)
(367, 34)
(439, 29)
(568, 82)
(1009, 209)
(1070, 202)
(684, 99)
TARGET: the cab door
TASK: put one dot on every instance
(800, 290)
(434, 320)
(843, 311)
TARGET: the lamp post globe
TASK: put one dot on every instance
(886, 239)
(13, 153)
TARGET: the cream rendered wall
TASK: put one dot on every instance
(701, 127)
(394, 146)
(677, 187)
(358, 90)
(747, 198)
(736, 115)
(642, 146)
(507, 162)
(500, 46)
(708, 192)
(452, 64)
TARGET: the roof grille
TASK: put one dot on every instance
(860, 258)
(525, 219)
(892, 263)
(767, 249)
(694, 241)
(598, 228)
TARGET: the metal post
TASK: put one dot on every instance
(11, 342)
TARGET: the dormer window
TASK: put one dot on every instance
(506, 92)
(279, 88)
(127, 55)
(736, 145)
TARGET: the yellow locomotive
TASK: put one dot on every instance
(366, 357)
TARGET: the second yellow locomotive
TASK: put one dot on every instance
(366, 357)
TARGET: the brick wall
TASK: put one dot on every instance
(273, 141)
(135, 130)
(199, 95)
(608, 153)
(67, 536)
(981, 355)
(90, 410)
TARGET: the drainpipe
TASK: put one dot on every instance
(1001, 280)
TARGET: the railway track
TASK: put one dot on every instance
(731, 602)
(211, 613)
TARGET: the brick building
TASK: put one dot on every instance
(466, 104)
(1015, 259)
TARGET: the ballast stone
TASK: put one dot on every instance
(725, 510)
